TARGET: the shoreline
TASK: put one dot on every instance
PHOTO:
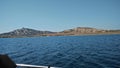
(90, 34)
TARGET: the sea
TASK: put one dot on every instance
(87, 51)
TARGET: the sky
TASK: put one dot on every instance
(58, 15)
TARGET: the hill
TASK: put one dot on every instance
(26, 32)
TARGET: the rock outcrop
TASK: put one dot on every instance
(81, 30)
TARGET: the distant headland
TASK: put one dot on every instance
(27, 32)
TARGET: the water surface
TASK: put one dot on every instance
(97, 51)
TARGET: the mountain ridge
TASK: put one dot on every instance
(27, 32)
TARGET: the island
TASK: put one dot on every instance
(27, 32)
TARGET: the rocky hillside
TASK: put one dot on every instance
(26, 32)
(81, 30)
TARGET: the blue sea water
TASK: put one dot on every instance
(95, 51)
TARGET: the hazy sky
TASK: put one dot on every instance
(57, 15)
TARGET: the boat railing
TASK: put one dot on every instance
(33, 66)
(6, 62)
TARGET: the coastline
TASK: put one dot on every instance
(27, 32)
(90, 34)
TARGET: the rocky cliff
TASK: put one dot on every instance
(81, 30)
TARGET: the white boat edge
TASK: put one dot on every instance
(27, 65)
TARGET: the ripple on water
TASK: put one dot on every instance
(100, 51)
